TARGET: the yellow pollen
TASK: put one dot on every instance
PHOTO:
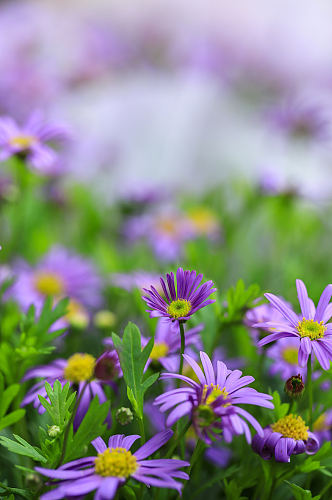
(204, 220)
(214, 394)
(291, 427)
(159, 350)
(76, 314)
(312, 329)
(321, 424)
(80, 367)
(290, 355)
(49, 283)
(115, 462)
(179, 308)
(23, 141)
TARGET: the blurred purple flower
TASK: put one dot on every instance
(78, 370)
(33, 141)
(284, 354)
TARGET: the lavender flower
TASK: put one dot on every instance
(284, 354)
(78, 370)
(312, 331)
(59, 274)
(261, 314)
(323, 427)
(113, 465)
(33, 141)
(167, 343)
(182, 300)
(212, 402)
(289, 436)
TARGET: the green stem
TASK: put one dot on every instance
(141, 429)
(178, 437)
(71, 420)
(183, 345)
(309, 390)
(325, 489)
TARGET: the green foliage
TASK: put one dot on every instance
(133, 360)
(280, 409)
(9, 493)
(92, 426)
(22, 447)
(60, 403)
(6, 398)
(301, 494)
(239, 299)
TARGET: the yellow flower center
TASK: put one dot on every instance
(214, 394)
(291, 427)
(116, 462)
(321, 424)
(290, 355)
(49, 283)
(312, 329)
(23, 141)
(179, 308)
(80, 367)
(76, 314)
(159, 350)
(204, 220)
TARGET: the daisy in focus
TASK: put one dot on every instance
(311, 328)
(212, 403)
(113, 466)
(182, 297)
(289, 436)
(33, 140)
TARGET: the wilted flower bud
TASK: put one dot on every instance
(54, 431)
(124, 416)
(107, 366)
(104, 319)
(294, 387)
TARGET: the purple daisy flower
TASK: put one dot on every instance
(32, 140)
(289, 436)
(216, 454)
(79, 371)
(284, 354)
(310, 328)
(113, 465)
(181, 301)
(59, 274)
(167, 343)
(212, 402)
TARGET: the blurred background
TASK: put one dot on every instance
(200, 135)
(177, 93)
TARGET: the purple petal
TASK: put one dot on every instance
(275, 336)
(208, 368)
(321, 355)
(65, 474)
(196, 368)
(153, 444)
(99, 444)
(107, 488)
(281, 451)
(323, 303)
(303, 299)
(282, 308)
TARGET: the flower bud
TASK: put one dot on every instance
(107, 366)
(54, 431)
(294, 387)
(124, 416)
(104, 319)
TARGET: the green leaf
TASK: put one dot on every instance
(23, 493)
(280, 409)
(301, 494)
(11, 418)
(239, 299)
(60, 403)
(133, 360)
(92, 426)
(7, 397)
(22, 447)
